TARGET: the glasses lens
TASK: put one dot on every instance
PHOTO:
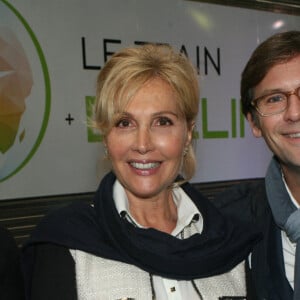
(272, 104)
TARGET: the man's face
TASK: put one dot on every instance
(282, 131)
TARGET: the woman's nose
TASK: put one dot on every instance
(143, 142)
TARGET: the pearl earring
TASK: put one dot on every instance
(106, 152)
(185, 151)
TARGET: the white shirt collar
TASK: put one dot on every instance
(187, 211)
(289, 192)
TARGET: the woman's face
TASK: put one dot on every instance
(146, 143)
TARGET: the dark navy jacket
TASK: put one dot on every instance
(248, 203)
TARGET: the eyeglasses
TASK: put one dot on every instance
(274, 103)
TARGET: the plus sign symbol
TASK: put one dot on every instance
(69, 119)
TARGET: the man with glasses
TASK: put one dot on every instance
(270, 93)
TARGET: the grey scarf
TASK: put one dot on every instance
(285, 213)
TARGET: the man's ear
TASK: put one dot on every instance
(255, 128)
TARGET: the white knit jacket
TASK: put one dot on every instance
(103, 279)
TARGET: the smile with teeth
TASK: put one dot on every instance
(145, 166)
(293, 135)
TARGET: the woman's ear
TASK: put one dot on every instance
(254, 124)
(190, 128)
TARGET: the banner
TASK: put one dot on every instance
(51, 53)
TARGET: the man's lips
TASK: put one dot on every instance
(292, 135)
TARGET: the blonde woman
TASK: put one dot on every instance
(149, 234)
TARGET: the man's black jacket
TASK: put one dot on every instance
(248, 203)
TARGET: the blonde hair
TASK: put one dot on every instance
(129, 69)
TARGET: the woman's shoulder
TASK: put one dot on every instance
(64, 224)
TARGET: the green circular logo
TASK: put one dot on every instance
(25, 95)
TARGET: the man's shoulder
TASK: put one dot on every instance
(246, 201)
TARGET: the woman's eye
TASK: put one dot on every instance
(123, 123)
(164, 121)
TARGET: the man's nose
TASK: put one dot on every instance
(292, 112)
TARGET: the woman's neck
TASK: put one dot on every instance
(159, 212)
